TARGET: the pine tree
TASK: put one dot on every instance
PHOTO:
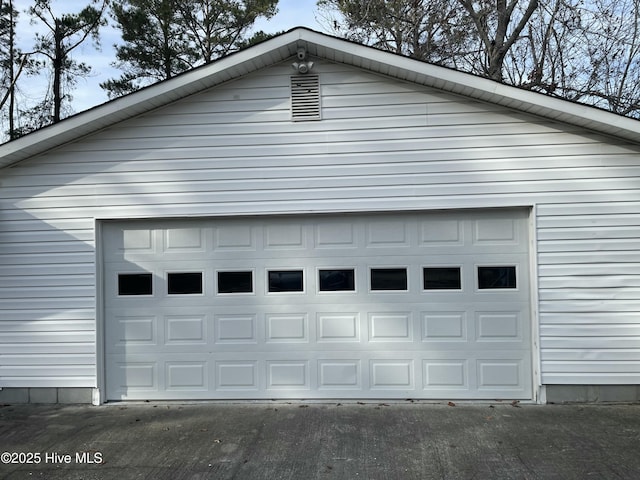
(163, 38)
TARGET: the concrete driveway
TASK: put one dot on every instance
(320, 441)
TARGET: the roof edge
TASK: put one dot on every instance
(150, 97)
(284, 46)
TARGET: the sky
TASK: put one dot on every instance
(291, 13)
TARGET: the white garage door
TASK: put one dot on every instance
(406, 305)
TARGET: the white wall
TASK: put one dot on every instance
(382, 145)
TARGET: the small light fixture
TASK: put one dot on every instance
(303, 65)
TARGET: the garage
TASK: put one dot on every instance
(424, 305)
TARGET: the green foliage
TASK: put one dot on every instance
(155, 45)
(162, 38)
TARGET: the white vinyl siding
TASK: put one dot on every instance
(382, 145)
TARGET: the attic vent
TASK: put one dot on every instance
(305, 97)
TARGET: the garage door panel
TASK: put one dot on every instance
(237, 375)
(444, 326)
(336, 235)
(235, 329)
(184, 240)
(442, 232)
(187, 375)
(340, 374)
(397, 374)
(132, 330)
(499, 327)
(391, 327)
(137, 374)
(287, 328)
(185, 329)
(338, 327)
(351, 306)
(288, 374)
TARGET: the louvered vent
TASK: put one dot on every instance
(305, 97)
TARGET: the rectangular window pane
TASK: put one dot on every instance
(184, 283)
(235, 282)
(388, 279)
(135, 284)
(286, 281)
(442, 278)
(496, 277)
(337, 280)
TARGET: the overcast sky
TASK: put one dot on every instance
(291, 13)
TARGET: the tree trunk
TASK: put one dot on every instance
(12, 73)
(498, 43)
(58, 62)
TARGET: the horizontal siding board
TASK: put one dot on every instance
(591, 378)
(301, 189)
(508, 134)
(51, 370)
(170, 159)
(273, 168)
(595, 282)
(81, 337)
(621, 207)
(50, 292)
(382, 145)
(588, 343)
(435, 173)
(625, 366)
(41, 381)
(340, 187)
(569, 259)
(592, 355)
(45, 348)
(570, 294)
(36, 302)
(588, 245)
(51, 248)
(547, 272)
(48, 315)
(48, 281)
(593, 231)
(321, 146)
(46, 236)
(46, 270)
(589, 305)
(35, 361)
(85, 255)
(581, 223)
(34, 226)
(602, 331)
(589, 318)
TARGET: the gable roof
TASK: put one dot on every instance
(334, 49)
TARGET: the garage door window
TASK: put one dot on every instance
(235, 282)
(135, 284)
(188, 283)
(285, 281)
(339, 280)
(496, 277)
(441, 278)
(389, 279)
